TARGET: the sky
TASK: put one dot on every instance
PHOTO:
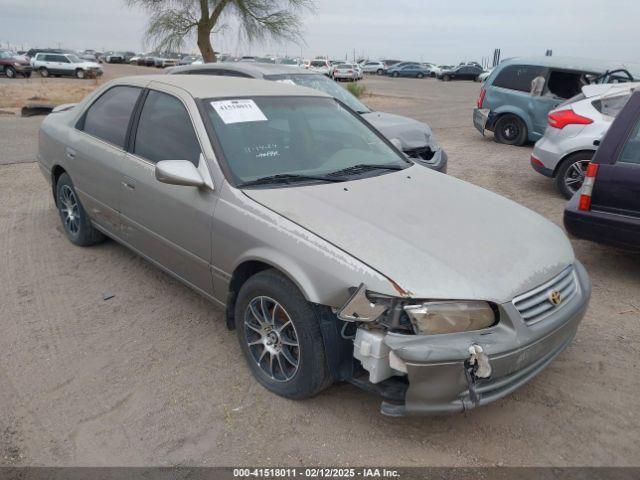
(425, 30)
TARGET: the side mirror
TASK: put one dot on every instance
(179, 172)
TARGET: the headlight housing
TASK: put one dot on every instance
(431, 318)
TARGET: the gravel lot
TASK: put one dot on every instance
(152, 376)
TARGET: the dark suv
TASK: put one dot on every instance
(12, 64)
(607, 209)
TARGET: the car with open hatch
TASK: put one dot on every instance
(335, 257)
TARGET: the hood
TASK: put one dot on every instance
(435, 236)
(411, 133)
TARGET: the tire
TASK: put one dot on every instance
(510, 130)
(43, 72)
(446, 78)
(571, 172)
(10, 72)
(80, 74)
(75, 221)
(306, 374)
(379, 71)
(395, 74)
(420, 75)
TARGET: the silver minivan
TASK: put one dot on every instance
(335, 257)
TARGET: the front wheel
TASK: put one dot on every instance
(446, 78)
(510, 130)
(75, 221)
(10, 72)
(380, 71)
(420, 75)
(395, 74)
(43, 72)
(80, 74)
(279, 334)
(572, 172)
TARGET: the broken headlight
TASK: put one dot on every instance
(430, 318)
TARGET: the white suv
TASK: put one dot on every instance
(65, 64)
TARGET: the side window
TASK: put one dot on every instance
(108, 117)
(165, 131)
(518, 77)
(631, 151)
(63, 59)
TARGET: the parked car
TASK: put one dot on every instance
(574, 131)
(58, 64)
(114, 57)
(374, 67)
(461, 72)
(515, 112)
(435, 71)
(414, 138)
(607, 208)
(345, 71)
(410, 70)
(484, 75)
(317, 236)
(320, 66)
(12, 64)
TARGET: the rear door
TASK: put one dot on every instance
(169, 224)
(617, 186)
(95, 152)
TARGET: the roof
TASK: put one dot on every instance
(254, 69)
(574, 63)
(208, 86)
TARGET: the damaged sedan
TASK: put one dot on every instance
(335, 256)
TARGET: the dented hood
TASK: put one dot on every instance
(435, 236)
(411, 133)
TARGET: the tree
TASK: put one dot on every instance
(172, 22)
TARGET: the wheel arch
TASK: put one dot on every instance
(568, 155)
(511, 110)
(56, 172)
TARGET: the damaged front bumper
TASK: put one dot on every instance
(437, 366)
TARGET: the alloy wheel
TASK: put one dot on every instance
(574, 176)
(69, 209)
(272, 338)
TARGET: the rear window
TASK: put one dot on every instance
(518, 77)
(611, 106)
(631, 151)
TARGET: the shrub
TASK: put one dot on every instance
(357, 89)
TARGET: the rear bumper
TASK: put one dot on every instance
(610, 229)
(517, 352)
(547, 172)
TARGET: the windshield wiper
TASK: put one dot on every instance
(363, 167)
(287, 178)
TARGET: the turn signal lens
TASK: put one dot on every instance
(587, 187)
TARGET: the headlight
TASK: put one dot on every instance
(432, 318)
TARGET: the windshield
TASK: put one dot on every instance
(5, 54)
(74, 59)
(324, 84)
(267, 136)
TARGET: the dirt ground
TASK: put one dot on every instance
(152, 377)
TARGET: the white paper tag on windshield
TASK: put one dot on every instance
(238, 111)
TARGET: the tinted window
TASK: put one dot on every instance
(108, 117)
(165, 131)
(518, 77)
(631, 152)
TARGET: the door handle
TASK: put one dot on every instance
(128, 185)
(71, 153)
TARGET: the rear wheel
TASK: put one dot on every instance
(395, 74)
(510, 130)
(420, 75)
(10, 72)
(446, 78)
(280, 336)
(79, 73)
(571, 173)
(379, 71)
(44, 72)
(75, 221)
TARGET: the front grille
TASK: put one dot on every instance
(537, 304)
(422, 153)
